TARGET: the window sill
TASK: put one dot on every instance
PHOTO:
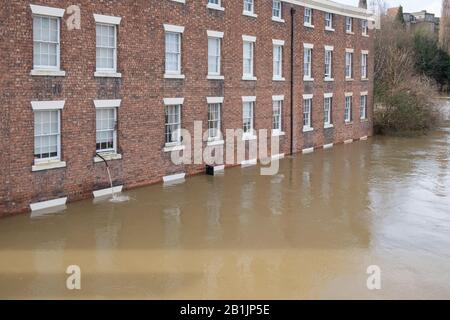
(278, 79)
(108, 157)
(329, 29)
(365, 35)
(248, 137)
(308, 129)
(348, 123)
(328, 79)
(103, 74)
(249, 14)
(308, 25)
(47, 73)
(215, 77)
(278, 134)
(350, 33)
(174, 76)
(43, 166)
(364, 120)
(349, 79)
(364, 79)
(212, 143)
(215, 7)
(328, 126)
(176, 147)
(249, 78)
(308, 79)
(276, 19)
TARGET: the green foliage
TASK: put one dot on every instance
(399, 18)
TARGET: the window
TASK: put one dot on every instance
(173, 124)
(248, 54)
(214, 56)
(307, 110)
(46, 42)
(348, 65)
(348, 109)
(173, 53)
(329, 21)
(106, 121)
(106, 46)
(248, 117)
(214, 2)
(308, 17)
(276, 9)
(277, 61)
(348, 25)
(249, 7)
(277, 106)
(364, 59)
(47, 135)
(328, 63)
(214, 121)
(328, 103)
(365, 27)
(307, 62)
(363, 107)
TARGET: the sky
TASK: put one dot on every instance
(433, 6)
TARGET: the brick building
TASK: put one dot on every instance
(116, 77)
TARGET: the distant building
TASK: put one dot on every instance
(415, 21)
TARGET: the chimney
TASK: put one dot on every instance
(362, 4)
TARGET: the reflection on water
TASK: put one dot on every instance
(310, 231)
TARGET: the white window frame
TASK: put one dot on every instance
(307, 122)
(348, 106)
(215, 101)
(328, 102)
(308, 61)
(331, 18)
(215, 5)
(308, 18)
(278, 17)
(217, 36)
(52, 13)
(349, 64)
(169, 102)
(249, 100)
(114, 105)
(44, 106)
(364, 97)
(277, 101)
(364, 64)
(365, 27)
(349, 25)
(278, 74)
(251, 41)
(177, 30)
(329, 50)
(250, 13)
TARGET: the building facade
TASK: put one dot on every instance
(118, 77)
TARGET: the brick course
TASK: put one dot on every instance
(141, 54)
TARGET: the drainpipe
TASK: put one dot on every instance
(292, 80)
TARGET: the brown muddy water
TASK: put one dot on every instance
(309, 232)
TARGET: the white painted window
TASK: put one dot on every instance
(348, 65)
(47, 135)
(249, 6)
(348, 109)
(248, 59)
(364, 59)
(365, 27)
(46, 42)
(328, 21)
(276, 9)
(214, 121)
(307, 62)
(328, 64)
(106, 46)
(328, 103)
(173, 124)
(307, 113)
(308, 17)
(214, 53)
(214, 2)
(277, 107)
(248, 116)
(173, 52)
(106, 124)
(348, 24)
(277, 61)
(363, 107)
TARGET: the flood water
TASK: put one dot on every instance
(309, 232)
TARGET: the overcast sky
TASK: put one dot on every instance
(433, 6)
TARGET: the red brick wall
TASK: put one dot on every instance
(142, 89)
